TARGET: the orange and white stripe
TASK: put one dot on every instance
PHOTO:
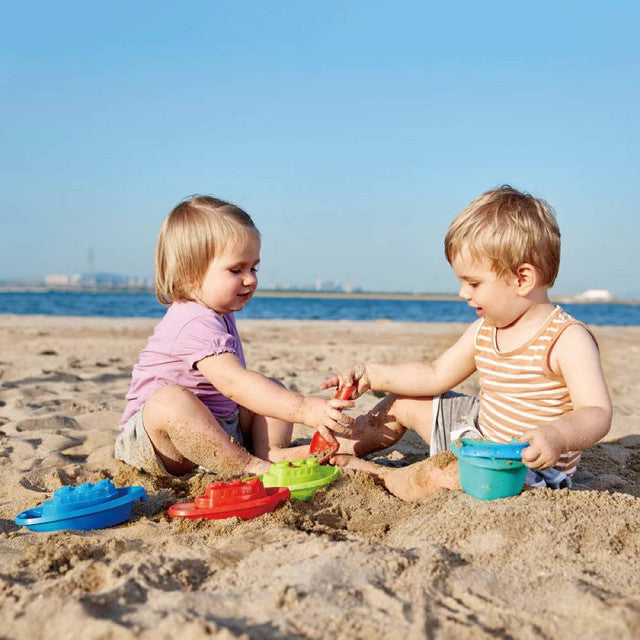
(518, 390)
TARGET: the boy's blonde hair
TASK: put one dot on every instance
(509, 228)
(196, 231)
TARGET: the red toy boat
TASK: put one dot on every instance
(239, 498)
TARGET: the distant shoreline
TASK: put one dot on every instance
(452, 297)
(268, 293)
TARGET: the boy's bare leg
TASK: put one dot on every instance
(408, 483)
(184, 433)
(382, 427)
(386, 423)
(377, 429)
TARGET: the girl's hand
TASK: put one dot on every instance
(355, 376)
(546, 444)
(326, 416)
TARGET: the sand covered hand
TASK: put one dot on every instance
(546, 444)
(355, 376)
(326, 416)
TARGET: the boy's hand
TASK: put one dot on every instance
(546, 444)
(326, 416)
(355, 376)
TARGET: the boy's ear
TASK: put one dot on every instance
(526, 279)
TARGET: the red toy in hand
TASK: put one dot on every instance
(344, 393)
(319, 444)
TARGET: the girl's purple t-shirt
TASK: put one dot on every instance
(188, 333)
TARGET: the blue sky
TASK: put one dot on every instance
(352, 132)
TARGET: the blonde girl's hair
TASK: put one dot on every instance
(509, 228)
(196, 231)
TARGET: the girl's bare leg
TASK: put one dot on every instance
(408, 483)
(184, 433)
(270, 437)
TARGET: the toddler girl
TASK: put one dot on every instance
(192, 401)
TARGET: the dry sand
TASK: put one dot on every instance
(354, 562)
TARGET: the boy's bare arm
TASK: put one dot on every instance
(261, 395)
(414, 379)
(576, 357)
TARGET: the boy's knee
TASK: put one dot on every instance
(413, 413)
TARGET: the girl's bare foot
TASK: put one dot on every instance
(353, 462)
(276, 454)
(256, 467)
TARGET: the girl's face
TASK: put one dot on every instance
(231, 279)
(494, 298)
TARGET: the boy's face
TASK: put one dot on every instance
(231, 279)
(494, 298)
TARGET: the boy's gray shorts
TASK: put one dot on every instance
(134, 447)
(455, 415)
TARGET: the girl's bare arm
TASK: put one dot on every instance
(261, 395)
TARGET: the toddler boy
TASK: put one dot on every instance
(539, 369)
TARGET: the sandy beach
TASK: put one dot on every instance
(354, 562)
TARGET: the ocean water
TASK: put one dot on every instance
(145, 305)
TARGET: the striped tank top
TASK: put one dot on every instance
(518, 390)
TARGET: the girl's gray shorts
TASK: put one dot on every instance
(134, 447)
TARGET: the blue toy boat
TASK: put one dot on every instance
(87, 506)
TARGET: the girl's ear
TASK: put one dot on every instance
(526, 279)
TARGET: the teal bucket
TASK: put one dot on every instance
(489, 478)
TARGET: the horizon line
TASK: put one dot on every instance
(310, 293)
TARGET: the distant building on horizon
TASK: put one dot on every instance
(99, 280)
(62, 280)
(595, 295)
